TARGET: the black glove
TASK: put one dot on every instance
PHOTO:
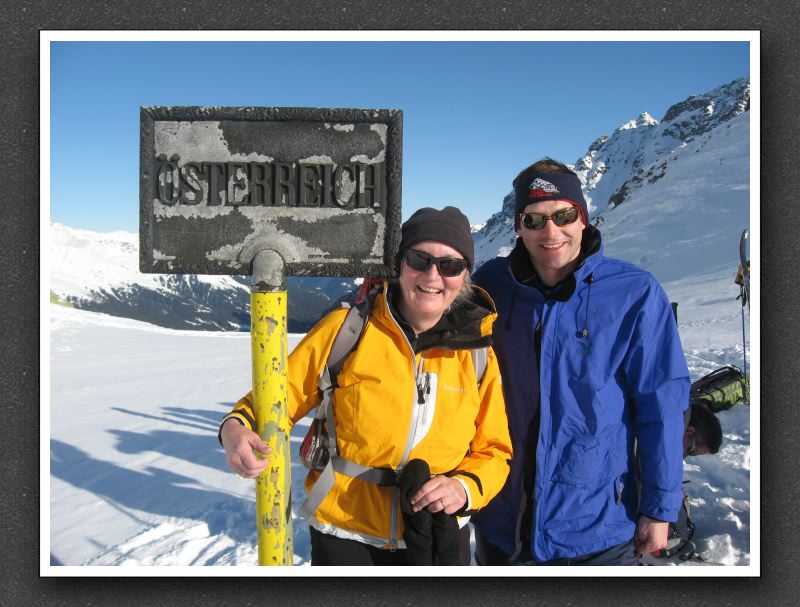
(430, 537)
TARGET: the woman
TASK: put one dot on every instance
(414, 352)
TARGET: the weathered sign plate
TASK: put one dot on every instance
(322, 187)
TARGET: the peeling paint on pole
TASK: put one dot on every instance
(325, 182)
(270, 396)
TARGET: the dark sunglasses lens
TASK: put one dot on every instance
(417, 261)
(451, 266)
(447, 266)
(565, 217)
(533, 221)
(536, 221)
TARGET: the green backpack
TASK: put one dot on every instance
(720, 389)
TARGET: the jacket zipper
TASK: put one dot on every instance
(421, 382)
(536, 528)
(419, 395)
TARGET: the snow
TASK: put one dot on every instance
(137, 477)
(137, 474)
(695, 211)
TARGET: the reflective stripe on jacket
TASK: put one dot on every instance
(625, 379)
(379, 423)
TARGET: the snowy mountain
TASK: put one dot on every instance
(661, 172)
(100, 272)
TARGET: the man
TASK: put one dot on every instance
(703, 434)
(591, 361)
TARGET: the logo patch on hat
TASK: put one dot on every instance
(541, 188)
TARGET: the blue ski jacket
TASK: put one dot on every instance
(612, 372)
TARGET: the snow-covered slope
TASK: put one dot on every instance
(693, 214)
(137, 477)
(100, 272)
(638, 152)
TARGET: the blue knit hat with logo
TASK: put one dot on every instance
(551, 186)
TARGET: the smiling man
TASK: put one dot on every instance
(591, 363)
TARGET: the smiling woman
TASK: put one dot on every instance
(436, 250)
(421, 434)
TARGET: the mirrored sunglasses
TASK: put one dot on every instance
(447, 266)
(536, 221)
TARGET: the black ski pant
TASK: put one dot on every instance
(331, 550)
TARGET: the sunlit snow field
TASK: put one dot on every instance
(138, 477)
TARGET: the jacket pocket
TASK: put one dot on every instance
(585, 459)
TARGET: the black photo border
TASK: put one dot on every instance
(21, 242)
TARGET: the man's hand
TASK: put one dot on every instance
(651, 535)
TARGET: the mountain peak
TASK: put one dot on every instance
(643, 120)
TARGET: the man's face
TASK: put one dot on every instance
(692, 444)
(553, 250)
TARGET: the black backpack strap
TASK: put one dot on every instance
(350, 332)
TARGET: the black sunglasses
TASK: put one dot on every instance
(536, 221)
(447, 266)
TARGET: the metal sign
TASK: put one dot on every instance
(322, 187)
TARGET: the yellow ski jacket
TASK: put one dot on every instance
(462, 431)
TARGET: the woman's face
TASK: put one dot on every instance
(427, 295)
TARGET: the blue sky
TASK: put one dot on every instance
(475, 113)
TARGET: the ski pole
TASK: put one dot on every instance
(744, 344)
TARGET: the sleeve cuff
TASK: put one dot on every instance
(658, 520)
(239, 418)
(468, 505)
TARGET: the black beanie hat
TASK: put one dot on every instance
(449, 226)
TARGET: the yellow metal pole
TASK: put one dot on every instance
(268, 310)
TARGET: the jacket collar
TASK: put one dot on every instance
(466, 325)
(519, 262)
